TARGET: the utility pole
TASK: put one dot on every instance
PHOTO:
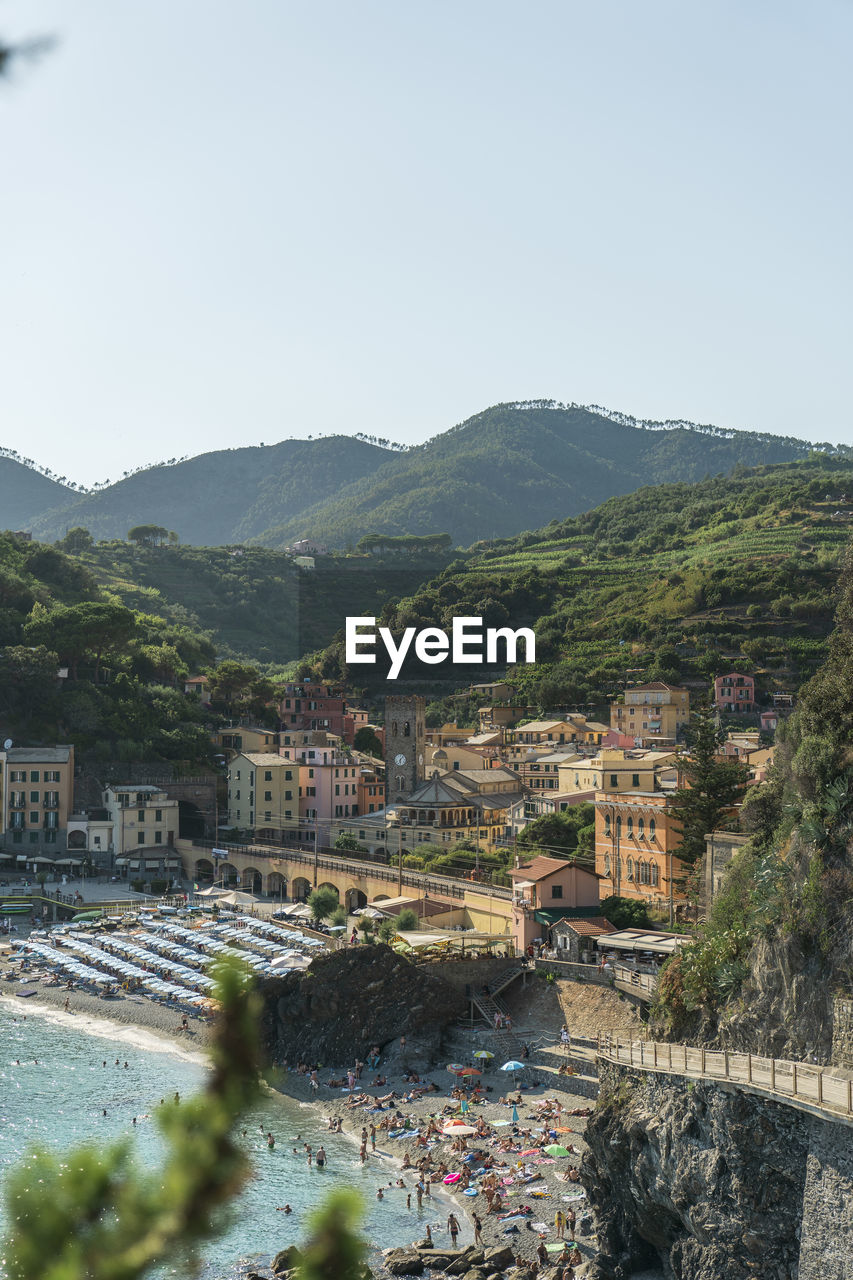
(400, 858)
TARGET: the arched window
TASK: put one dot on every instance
(393, 728)
(630, 828)
(607, 864)
(641, 828)
(644, 873)
(619, 827)
(406, 728)
(652, 828)
(654, 873)
(607, 824)
(401, 782)
(630, 871)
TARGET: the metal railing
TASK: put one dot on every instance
(793, 1083)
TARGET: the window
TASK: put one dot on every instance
(35, 796)
(654, 873)
(140, 815)
(619, 827)
(268, 775)
(268, 795)
(33, 818)
(311, 771)
(51, 775)
(630, 871)
(406, 729)
(630, 827)
(614, 779)
(635, 779)
(50, 835)
(556, 891)
(51, 821)
(140, 837)
(158, 815)
(607, 824)
(641, 828)
(607, 864)
(288, 795)
(18, 775)
(652, 828)
(158, 837)
(34, 775)
(34, 837)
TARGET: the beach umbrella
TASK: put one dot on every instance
(483, 1053)
(531, 1151)
(463, 1106)
(513, 1065)
(514, 1114)
(458, 1130)
(455, 1068)
(556, 1150)
(469, 1071)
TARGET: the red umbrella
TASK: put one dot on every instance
(534, 1151)
(469, 1071)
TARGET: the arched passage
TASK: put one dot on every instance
(334, 888)
(76, 839)
(381, 897)
(354, 898)
(300, 888)
(251, 880)
(204, 869)
(228, 873)
(277, 885)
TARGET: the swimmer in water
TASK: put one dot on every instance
(380, 1195)
(284, 1208)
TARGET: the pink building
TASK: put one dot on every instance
(328, 786)
(312, 707)
(734, 692)
(546, 890)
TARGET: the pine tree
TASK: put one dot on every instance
(712, 788)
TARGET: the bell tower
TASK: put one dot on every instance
(405, 739)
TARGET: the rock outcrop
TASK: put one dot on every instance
(347, 1001)
(709, 1181)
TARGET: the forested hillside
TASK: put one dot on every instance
(500, 472)
(218, 498)
(25, 493)
(508, 468)
(672, 582)
(253, 603)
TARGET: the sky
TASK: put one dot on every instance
(231, 224)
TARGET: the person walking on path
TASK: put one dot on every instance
(478, 1229)
(453, 1228)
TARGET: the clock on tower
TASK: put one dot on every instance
(405, 740)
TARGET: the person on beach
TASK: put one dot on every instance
(380, 1194)
(270, 1141)
(570, 1223)
(478, 1229)
(321, 1158)
(453, 1228)
(560, 1224)
(427, 1237)
(419, 1194)
(372, 1137)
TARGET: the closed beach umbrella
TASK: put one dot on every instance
(514, 1114)
(556, 1150)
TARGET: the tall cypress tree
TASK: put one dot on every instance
(712, 787)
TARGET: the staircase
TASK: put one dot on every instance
(507, 1045)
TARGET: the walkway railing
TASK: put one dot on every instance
(620, 977)
(794, 1083)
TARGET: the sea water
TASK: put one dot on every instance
(54, 1089)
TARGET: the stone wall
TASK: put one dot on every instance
(460, 974)
(842, 1032)
(709, 1181)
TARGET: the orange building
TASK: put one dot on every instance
(635, 844)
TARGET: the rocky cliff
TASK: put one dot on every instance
(347, 1001)
(711, 1182)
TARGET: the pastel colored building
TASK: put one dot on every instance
(36, 800)
(546, 890)
(651, 713)
(635, 847)
(734, 692)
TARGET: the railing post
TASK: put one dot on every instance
(642, 1053)
(655, 1047)
(749, 1067)
(820, 1086)
(684, 1047)
(773, 1074)
(726, 1062)
(793, 1080)
(669, 1046)
(703, 1062)
(849, 1096)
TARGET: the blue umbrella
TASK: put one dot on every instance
(512, 1065)
(514, 1114)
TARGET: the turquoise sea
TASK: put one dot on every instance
(59, 1100)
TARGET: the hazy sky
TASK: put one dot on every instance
(232, 223)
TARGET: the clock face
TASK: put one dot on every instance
(399, 758)
(420, 759)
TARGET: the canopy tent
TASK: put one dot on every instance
(643, 940)
(237, 899)
(69, 862)
(211, 892)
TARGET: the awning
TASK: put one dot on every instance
(21, 857)
(152, 865)
(123, 862)
(134, 866)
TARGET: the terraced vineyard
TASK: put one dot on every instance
(673, 582)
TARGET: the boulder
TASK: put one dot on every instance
(286, 1260)
(404, 1262)
(476, 1273)
(499, 1257)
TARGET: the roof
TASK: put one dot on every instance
(500, 774)
(38, 755)
(434, 792)
(538, 726)
(268, 758)
(550, 915)
(541, 868)
(592, 927)
(497, 799)
(654, 684)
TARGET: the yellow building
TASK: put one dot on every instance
(36, 795)
(233, 740)
(616, 770)
(635, 844)
(263, 792)
(651, 713)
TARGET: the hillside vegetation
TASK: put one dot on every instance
(250, 602)
(672, 582)
(502, 471)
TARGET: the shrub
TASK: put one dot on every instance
(406, 921)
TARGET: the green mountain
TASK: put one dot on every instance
(502, 471)
(218, 498)
(25, 493)
(673, 582)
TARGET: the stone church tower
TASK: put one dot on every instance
(405, 740)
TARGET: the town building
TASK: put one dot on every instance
(651, 713)
(231, 740)
(36, 800)
(546, 890)
(720, 848)
(311, 707)
(635, 847)
(405, 743)
(615, 769)
(540, 803)
(575, 940)
(735, 693)
(142, 825)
